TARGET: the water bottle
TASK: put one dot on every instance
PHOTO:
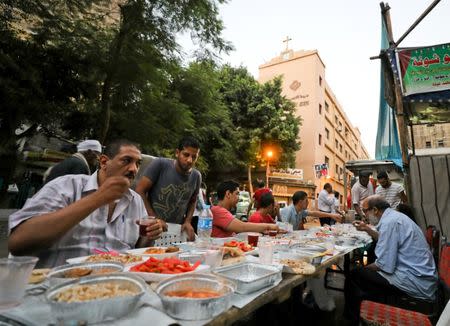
(205, 221)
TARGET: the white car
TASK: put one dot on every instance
(242, 205)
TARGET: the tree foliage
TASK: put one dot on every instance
(96, 68)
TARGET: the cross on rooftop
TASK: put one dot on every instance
(287, 42)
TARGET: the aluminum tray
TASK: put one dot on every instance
(193, 308)
(250, 277)
(95, 310)
(56, 275)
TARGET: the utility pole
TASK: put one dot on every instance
(399, 109)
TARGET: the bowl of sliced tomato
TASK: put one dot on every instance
(155, 270)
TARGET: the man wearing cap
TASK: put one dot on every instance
(85, 161)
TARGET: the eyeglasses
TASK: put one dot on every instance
(365, 210)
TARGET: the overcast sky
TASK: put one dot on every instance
(346, 33)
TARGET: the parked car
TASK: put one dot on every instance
(242, 205)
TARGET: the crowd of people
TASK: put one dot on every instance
(87, 202)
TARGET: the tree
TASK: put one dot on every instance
(261, 115)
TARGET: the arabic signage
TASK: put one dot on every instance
(295, 174)
(424, 69)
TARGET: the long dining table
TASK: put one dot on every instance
(34, 309)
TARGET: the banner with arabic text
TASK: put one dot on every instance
(424, 69)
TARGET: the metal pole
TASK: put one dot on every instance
(267, 173)
(418, 20)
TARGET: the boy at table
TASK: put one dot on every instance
(73, 214)
(265, 211)
(224, 223)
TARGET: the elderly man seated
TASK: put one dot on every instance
(74, 214)
(404, 264)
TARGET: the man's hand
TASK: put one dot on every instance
(153, 230)
(337, 217)
(186, 226)
(360, 225)
(112, 189)
(164, 225)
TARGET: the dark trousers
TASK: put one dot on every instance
(365, 284)
(325, 220)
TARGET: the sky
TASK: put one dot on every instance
(346, 33)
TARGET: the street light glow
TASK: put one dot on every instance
(269, 153)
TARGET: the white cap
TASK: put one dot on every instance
(91, 144)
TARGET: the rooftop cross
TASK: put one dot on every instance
(287, 42)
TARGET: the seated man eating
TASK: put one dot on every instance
(74, 214)
(224, 224)
(404, 264)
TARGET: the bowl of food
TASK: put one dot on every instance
(67, 272)
(195, 296)
(95, 298)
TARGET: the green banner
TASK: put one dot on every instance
(425, 69)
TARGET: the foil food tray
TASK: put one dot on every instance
(56, 275)
(250, 277)
(195, 308)
(98, 310)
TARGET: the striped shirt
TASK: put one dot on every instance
(391, 194)
(120, 234)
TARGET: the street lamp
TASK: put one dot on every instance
(269, 155)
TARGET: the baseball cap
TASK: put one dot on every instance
(90, 144)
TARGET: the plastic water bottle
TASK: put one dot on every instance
(205, 221)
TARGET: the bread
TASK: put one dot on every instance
(38, 275)
(232, 255)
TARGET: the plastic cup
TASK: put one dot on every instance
(213, 257)
(14, 274)
(143, 223)
(265, 251)
(252, 239)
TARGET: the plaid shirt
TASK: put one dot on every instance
(120, 234)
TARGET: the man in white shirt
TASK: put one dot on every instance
(360, 191)
(392, 192)
(325, 203)
(74, 214)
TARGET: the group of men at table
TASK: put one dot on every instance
(75, 213)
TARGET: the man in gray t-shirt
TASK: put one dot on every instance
(169, 187)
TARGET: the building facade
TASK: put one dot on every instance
(431, 136)
(326, 134)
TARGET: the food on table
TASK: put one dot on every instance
(88, 292)
(104, 270)
(232, 255)
(160, 250)
(244, 246)
(122, 258)
(169, 265)
(299, 266)
(193, 293)
(38, 275)
(77, 272)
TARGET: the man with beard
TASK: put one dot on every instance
(170, 187)
(404, 264)
(85, 161)
(74, 214)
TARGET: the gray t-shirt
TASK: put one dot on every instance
(171, 192)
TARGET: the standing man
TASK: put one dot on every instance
(392, 192)
(325, 203)
(85, 161)
(170, 187)
(266, 210)
(360, 191)
(297, 212)
(74, 214)
(404, 264)
(224, 223)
